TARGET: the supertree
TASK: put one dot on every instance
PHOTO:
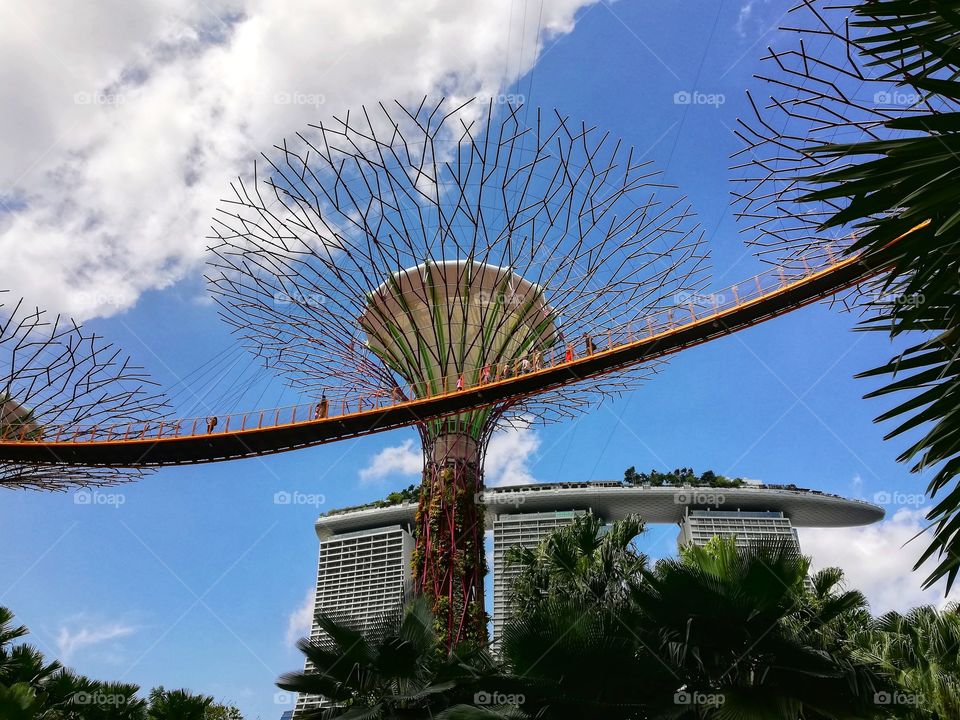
(54, 374)
(837, 80)
(860, 138)
(410, 250)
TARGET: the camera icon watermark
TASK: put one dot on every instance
(100, 698)
(281, 299)
(283, 697)
(700, 299)
(901, 300)
(95, 497)
(696, 97)
(296, 497)
(499, 499)
(498, 698)
(896, 97)
(896, 698)
(510, 99)
(691, 697)
(885, 497)
(698, 497)
(300, 98)
(87, 97)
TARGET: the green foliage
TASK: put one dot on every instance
(721, 633)
(885, 188)
(581, 562)
(679, 477)
(920, 649)
(411, 493)
(177, 705)
(395, 669)
(36, 689)
(222, 712)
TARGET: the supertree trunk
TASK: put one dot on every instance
(448, 563)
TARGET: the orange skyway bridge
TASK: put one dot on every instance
(262, 432)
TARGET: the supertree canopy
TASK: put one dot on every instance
(57, 378)
(836, 80)
(410, 250)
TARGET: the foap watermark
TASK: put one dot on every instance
(504, 299)
(896, 97)
(498, 698)
(896, 698)
(284, 698)
(701, 699)
(698, 497)
(102, 299)
(902, 499)
(700, 299)
(910, 300)
(697, 97)
(300, 98)
(101, 698)
(510, 99)
(96, 497)
(97, 97)
(301, 299)
(298, 498)
(499, 498)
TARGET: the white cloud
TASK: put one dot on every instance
(878, 559)
(400, 460)
(300, 621)
(125, 123)
(508, 456)
(70, 641)
(746, 18)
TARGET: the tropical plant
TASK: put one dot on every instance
(219, 711)
(896, 186)
(582, 561)
(568, 659)
(395, 669)
(921, 649)
(744, 637)
(680, 476)
(177, 705)
(35, 688)
(724, 633)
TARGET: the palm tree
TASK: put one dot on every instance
(395, 669)
(922, 650)
(737, 627)
(581, 562)
(18, 702)
(33, 687)
(720, 633)
(177, 705)
(905, 178)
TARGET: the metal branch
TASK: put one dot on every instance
(53, 373)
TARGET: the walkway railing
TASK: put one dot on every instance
(690, 309)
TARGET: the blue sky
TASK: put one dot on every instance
(190, 577)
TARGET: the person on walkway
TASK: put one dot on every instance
(211, 423)
(459, 382)
(568, 356)
(588, 344)
(323, 407)
(524, 366)
(537, 360)
(485, 375)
